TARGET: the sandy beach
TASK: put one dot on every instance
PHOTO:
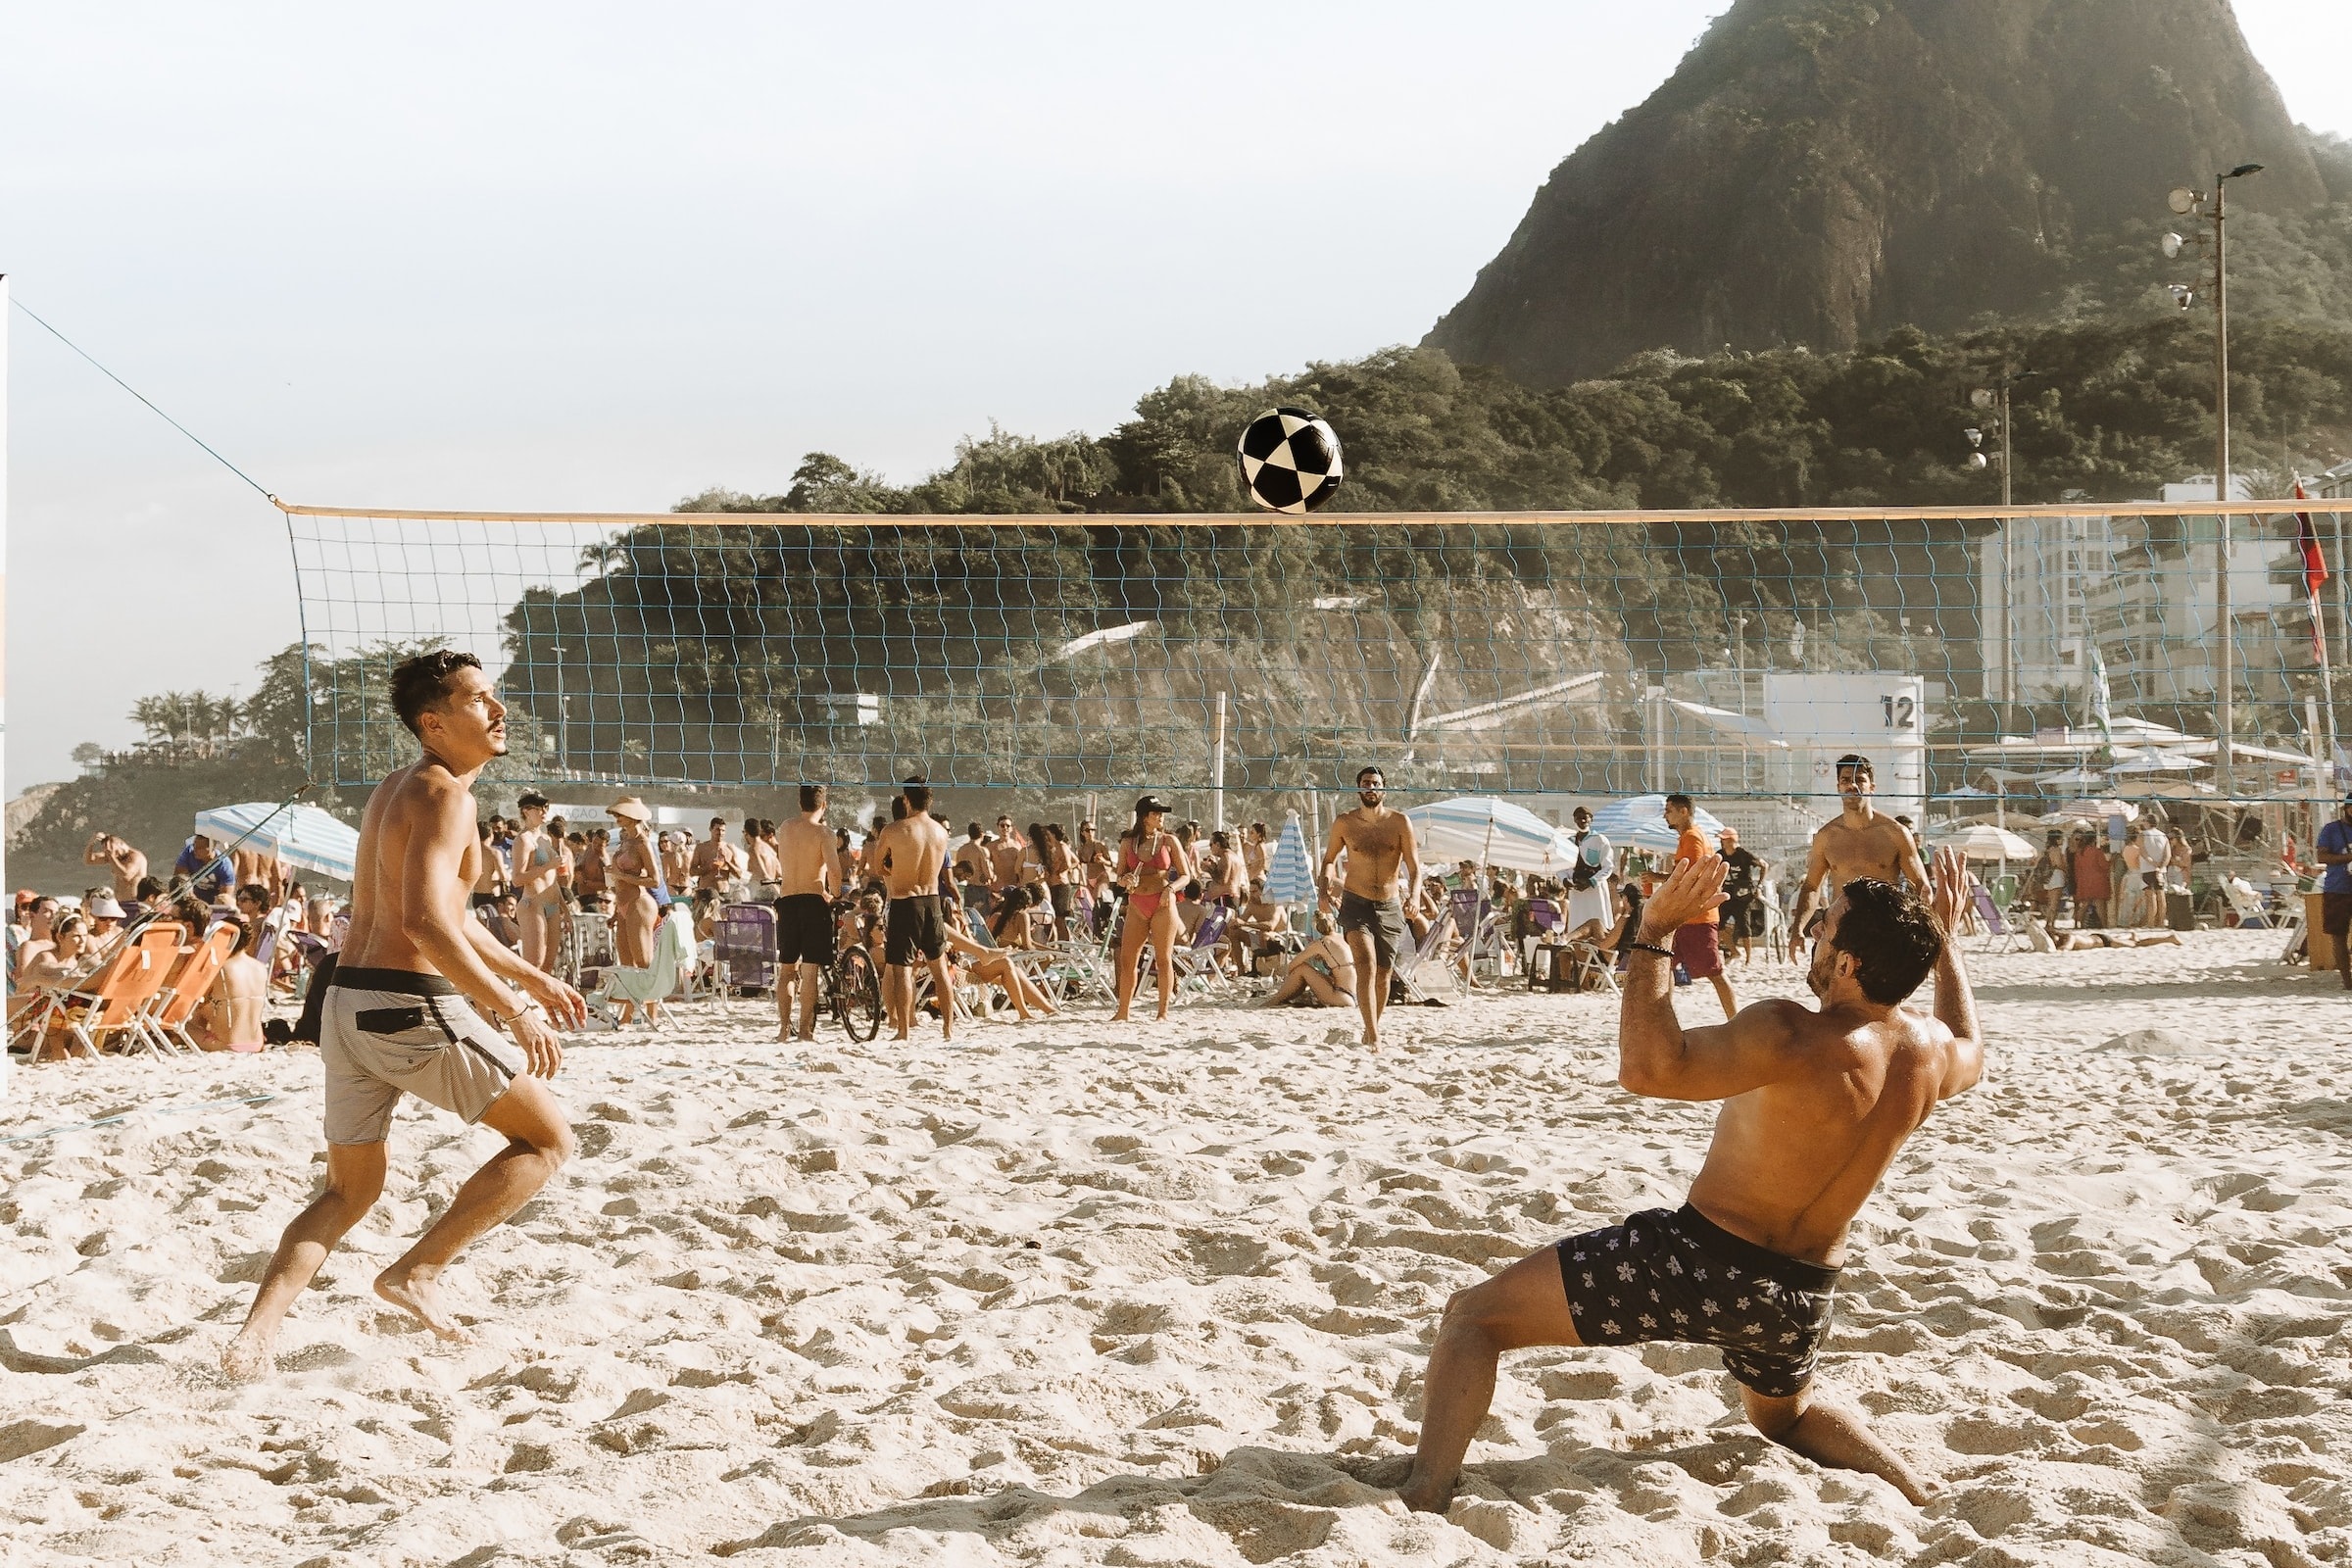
(1070, 1293)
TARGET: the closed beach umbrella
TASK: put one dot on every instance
(1289, 874)
(1984, 842)
(1640, 823)
(1490, 832)
(302, 835)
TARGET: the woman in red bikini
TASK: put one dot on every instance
(1150, 862)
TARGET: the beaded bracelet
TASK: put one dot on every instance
(1644, 947)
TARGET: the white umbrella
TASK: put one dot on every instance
(2159, 762)
(302, 835)
(1491, 832)
(1984, 842)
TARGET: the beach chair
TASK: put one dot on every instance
(648, 988)
(1999, 935)
(2247, 905)
(163, 1024)
(1197, 972)
(110, 1001)
(1404, 983)
(744, 946)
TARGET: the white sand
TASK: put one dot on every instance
(1158, 1294)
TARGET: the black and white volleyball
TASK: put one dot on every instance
(1290, 461)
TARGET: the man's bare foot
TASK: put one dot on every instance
(1121, 1016)
(249, 1355)
(417, 1294)
(809, 1039)
(1422, 1498)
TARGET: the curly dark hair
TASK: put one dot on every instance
(1893, 938)
(419, 683)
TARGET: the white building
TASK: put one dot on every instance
(2037, 577)
(2156, 617)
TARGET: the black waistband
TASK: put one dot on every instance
(932, 899)
(1763, 1260)
(405, 982)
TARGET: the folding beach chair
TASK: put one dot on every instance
(744, 946)
(1403, 979)
(110, 1001)
(163, 1024)
(2247, 905)
(1197, 972)
(1999, 935)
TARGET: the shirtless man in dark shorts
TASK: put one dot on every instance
(1816, 1107)
(1375, 841)
(811, 880)
(1859, 841)
(909, 852)
(416, 1000)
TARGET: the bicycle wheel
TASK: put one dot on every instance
(857, 995)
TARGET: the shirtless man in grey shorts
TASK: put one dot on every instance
(1816, 1105)
(1375, 841)
(414, 996)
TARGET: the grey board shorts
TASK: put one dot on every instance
(387, 1032)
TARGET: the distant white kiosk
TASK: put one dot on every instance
(1823, 718)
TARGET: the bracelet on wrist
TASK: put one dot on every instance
(1651, 947)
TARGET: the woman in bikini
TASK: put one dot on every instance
(1324, 969)
(1151, 863)
(639, 897)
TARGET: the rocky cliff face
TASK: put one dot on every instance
(1820, 170)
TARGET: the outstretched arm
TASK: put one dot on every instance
(1955, 1005)
(1655, 1054)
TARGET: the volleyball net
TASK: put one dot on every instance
(2074, 651)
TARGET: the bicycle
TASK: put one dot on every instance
(854, 991)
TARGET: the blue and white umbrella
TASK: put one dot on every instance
(1490, 832)
(1290, 874)
(302, 835)
(1640, 823)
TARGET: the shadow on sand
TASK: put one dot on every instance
(1266, 1503)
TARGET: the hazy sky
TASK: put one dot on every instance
(594, 257)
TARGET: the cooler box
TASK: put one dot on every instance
(2323, 946)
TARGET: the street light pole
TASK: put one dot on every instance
(2225, 773)
(562, 712)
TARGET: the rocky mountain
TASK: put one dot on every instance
(1818, 172)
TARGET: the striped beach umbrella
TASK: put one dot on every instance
(303, 835)
(1490, 832)
(1640, 823)
(1289, 872)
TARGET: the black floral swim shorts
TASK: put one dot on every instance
(1674, 1274)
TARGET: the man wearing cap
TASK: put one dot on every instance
(1858, 842)
(1742, 895)
(2335, 887)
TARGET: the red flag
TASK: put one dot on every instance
(2315, 574)
(2306, 539)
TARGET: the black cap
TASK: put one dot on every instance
(1151, 803)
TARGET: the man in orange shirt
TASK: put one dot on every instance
(1697, 947)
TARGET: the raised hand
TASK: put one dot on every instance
(1947, 897)
(1688, 892)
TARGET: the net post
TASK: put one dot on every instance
(3, 600)
(1216, 770)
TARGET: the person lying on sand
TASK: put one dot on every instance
(415, 995)
(1816, 1105)
(2044, 940)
